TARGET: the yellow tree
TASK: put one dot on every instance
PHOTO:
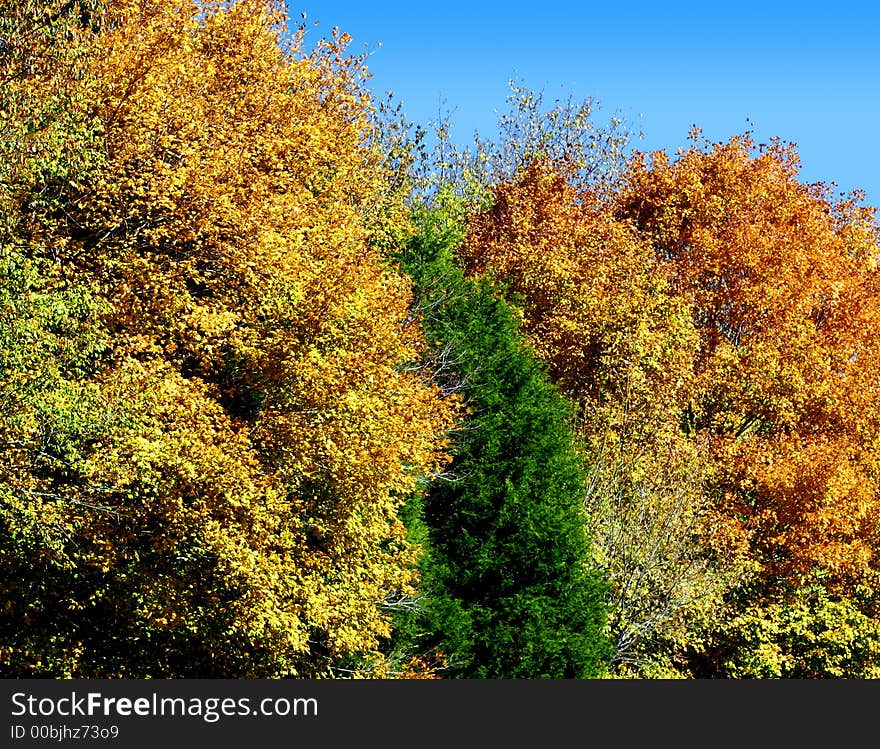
(211, 485)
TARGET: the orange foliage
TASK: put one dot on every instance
(595, 302)
(717, 309)
(783, 281)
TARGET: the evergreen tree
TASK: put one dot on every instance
(509, 593)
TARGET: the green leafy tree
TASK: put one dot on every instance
(807, 633)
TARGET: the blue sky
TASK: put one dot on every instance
(806, 73)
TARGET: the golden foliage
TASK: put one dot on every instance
(784, 286)
(595, 303)
(239, 444)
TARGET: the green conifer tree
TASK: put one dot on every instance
(508, 588)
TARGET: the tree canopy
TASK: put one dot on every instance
(208, 420)
(285, 394)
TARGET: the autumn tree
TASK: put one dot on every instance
(714, 307)
(509, 591)
(782, 278)
(601, 311)
(810, 633)
(208, 423)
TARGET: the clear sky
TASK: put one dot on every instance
(804, 72)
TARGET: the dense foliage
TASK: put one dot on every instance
(715, 319)
(285, 394)
(207, 423)
(509, 588)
